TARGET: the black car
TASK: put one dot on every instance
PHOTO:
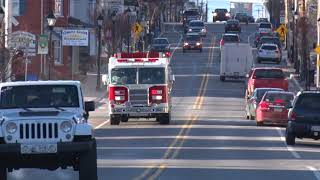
(253, 101)
(190, 15)
(242, 17)
(160, 45)
(304, 117)
(232, 25)
(221, 15)
(192, 41)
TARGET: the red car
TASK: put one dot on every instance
(272, 108)
(267, 77)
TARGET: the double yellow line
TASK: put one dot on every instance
(204, 83)
(171, 153)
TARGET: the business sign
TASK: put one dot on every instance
(23, 40)
(43, 44)
(74, 37)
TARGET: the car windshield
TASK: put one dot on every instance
(268, 73)
(124, 76)
(272, 97)
(270, 48)
(151, 76)
(308, 101)
(193, 38)
(265, 25)
(160, 41)
(241, 15)
(197, 23)
(230, 38)
(220, 10)
(270, 40)
(261, 92)
(39, 96)
(191, 13)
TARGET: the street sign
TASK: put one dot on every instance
(282, 19)
(43, 44)
(137, 29)
(282, 31)
(23, 40)
(317, 49)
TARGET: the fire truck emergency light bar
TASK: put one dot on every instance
(151, 54)
(137, 60)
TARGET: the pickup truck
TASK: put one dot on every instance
(266, 78)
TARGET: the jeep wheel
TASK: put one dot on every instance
(115, 120)
(165, 118)
(3, 173)
(88, 164)
(290, 138)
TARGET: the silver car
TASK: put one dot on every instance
(269, 52)
(197, 26)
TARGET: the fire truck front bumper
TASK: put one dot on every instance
(140, 111)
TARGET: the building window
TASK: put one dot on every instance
(57, 48)
(58, 8)
(19, 7)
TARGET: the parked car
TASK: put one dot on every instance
(269, 52)
(250, 19)
(304, 117)
(265, 28)
(232, 25)
(221, 15)
(160, 45)
(197, 26)
(266, 77)
(269, 40)
(192, 41)
(260, 20)
(253, 101)
(242, 17)
(190, 14)
(258, 37)
(229, 38)
(272, 108)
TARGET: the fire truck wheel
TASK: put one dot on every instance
(165, 118)
(124, 119)
(115, 120)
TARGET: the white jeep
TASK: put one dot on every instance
(43, 124)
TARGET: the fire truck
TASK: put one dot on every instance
(139, 86)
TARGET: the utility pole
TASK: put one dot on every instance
(207, 11)
(304, 66)
(318, 57)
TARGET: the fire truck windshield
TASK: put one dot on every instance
(124, 76)
(146, 75)
(151, 76)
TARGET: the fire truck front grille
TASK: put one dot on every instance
(139, 97)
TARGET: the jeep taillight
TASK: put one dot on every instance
(118, 94)
(293, 116)
(221, 42)
(158, 94)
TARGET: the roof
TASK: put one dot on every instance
(196, 20)
(231, 34)
(269, 44)
(192, 34)
(31, 83)
(280, 92)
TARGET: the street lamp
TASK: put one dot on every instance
(113, 18)
(1, 15)
(51, 19)
(100, 23)
(128, 12)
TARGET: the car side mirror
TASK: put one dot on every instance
(247, 75)
(89, 106)
(172, 78)
(105, 79)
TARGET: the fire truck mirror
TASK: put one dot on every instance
(172, 78)
(105, 79)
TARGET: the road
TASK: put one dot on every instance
(208, 137)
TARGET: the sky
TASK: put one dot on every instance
(213, 4)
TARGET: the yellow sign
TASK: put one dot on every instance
(317, 49)
(282, 31)
(137, 28)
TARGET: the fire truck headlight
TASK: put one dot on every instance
(157, 97)
(119, 98)
(198, 44)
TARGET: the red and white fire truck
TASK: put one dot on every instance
(139, 87)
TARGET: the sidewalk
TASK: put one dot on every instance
(88, 85)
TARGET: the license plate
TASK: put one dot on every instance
(315, 128)
(38, 148)
(277, 109)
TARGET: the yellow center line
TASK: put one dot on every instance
(184, 131)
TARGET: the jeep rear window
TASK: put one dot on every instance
(308, 101)
(267, 47)
(268, 73)
(39, 96)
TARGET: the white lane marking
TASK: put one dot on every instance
(315, 171)
(289, 148)
(224, 138)
(102, 124)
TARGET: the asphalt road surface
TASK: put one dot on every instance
(208, 138)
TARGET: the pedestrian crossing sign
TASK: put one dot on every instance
(137, 28)
(317, 49)
(282, 31)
